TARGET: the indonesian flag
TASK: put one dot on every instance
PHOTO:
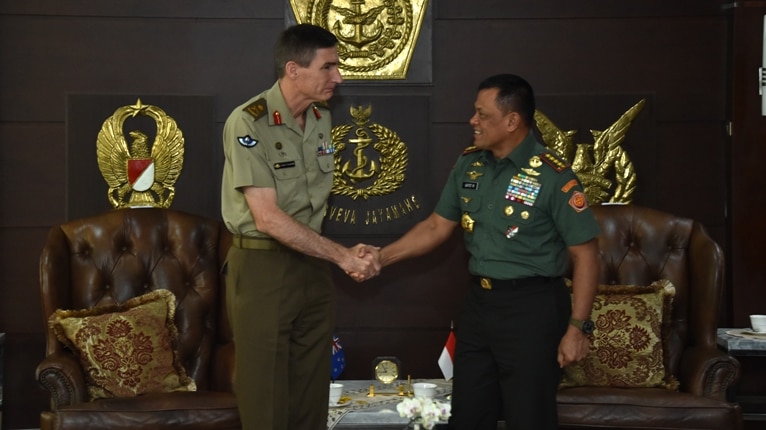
(448, 356)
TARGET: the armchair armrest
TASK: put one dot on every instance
(62, 375)
(708, 372)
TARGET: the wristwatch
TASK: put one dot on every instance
(586, 326)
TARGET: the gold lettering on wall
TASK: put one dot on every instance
(373, 216)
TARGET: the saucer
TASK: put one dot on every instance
(753, 333)
(744, 332)
(341, 403)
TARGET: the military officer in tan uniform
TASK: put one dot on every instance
(277, 176)
(523, 213)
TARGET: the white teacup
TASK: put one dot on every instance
(758, 322)
(335, 391)
(424, 389)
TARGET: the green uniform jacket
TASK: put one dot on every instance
(265, 147)
(518, 214)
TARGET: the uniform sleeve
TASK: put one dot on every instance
(249, 164)
(448, 205)
(571, 211)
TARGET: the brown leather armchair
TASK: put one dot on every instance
(639, 246)
(121, 254)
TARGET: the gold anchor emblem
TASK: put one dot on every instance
(388, 175)
(358, 174)
(359, 21)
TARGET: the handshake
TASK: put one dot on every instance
(362, 262)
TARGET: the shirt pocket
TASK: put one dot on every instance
(326, 163)
(470, 203)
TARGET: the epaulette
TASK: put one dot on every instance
(257, 108)
(554, 161)
(470, 149)
(322, 104)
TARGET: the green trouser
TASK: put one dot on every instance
(281, 305)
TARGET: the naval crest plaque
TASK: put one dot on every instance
(376, 38)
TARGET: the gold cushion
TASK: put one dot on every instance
(627, 345)
(126, 350)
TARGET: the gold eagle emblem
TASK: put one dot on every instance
(603, 167)
(136, 176)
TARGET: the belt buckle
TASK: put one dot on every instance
(486, 283)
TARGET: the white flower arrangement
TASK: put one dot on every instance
(423, 411)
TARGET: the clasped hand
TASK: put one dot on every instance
(363, 262)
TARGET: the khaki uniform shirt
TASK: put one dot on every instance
(261, 152)
(519, 214)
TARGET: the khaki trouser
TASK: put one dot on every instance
(281, 305)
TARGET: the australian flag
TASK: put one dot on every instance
(338, 358)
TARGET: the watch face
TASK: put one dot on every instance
(386, 371)
(588, 326)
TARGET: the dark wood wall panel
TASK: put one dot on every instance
(156, 56)
(678, 59)
(530, 9)
(748, 150)
(589, 62)
(19, 288)
(33, 179)
(691, 163)
(21, 320)
(230, 9)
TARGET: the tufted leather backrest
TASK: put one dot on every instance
(639, 245)
(124, 253)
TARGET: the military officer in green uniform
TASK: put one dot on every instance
(277, 176)
(523, 214)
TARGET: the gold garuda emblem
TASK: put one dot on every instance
(603, 167)
(351, 175)
(376, 37)
(136, 176)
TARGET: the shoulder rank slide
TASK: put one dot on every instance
(257, 108)
(554, 161)
(470, 149)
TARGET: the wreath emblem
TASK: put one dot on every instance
(387, 175)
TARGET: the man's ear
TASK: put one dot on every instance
(513, 120)
(291, 69)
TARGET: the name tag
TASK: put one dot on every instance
(284, 165)
(471, 185)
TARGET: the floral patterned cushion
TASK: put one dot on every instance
(126, 350)
(627, 345)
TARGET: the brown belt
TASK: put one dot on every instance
(261, 243)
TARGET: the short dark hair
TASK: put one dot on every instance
(299, 43)
(514, 95)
